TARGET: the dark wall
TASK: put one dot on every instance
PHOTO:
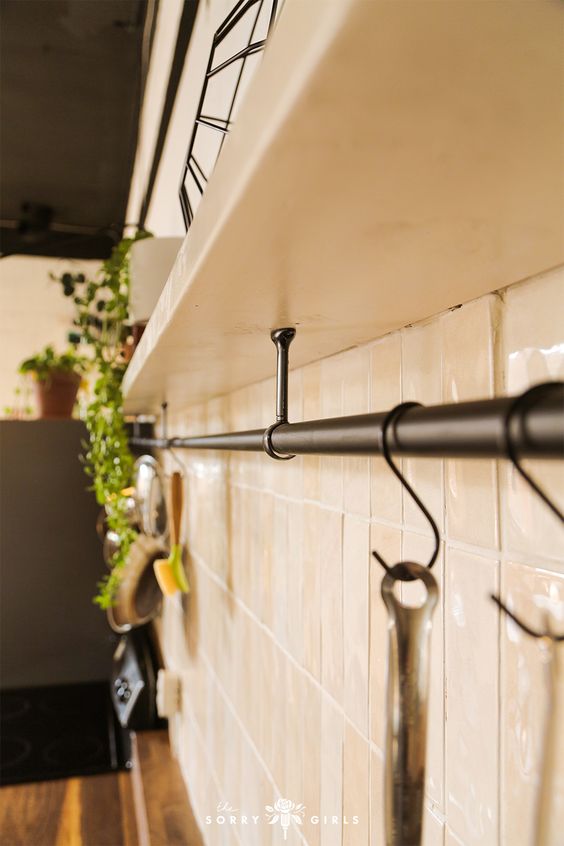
(71, 79)
(50, 559)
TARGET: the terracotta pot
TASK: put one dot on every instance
(56, 395)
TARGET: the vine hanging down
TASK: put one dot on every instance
(102, 310)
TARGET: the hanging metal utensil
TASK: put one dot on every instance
(552, 646)
(409, 651)
(150, 498)
(409, 660)
(545, 834)
(546, 831)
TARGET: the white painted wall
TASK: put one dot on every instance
(162, 53)
(33, 313)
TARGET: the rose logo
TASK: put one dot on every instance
(285, 812)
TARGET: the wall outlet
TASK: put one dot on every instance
(169, 692)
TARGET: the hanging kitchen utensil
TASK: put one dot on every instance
(149, 495)
(551, 643)
(409, 659)
(139, 597)
(548, 789)
(170, 572)
(550, 786)
(110, 547)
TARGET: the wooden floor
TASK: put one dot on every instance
(90, 811)
(164, 814)
(147, 806)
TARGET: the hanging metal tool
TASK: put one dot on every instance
(551, 646)
(544, 833)
(409, 658)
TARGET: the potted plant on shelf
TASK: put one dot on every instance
(57, 380)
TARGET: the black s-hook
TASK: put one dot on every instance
(520, 406)
(390, 422)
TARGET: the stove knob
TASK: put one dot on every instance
(123, 692)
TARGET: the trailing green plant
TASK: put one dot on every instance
(102, 309)
(48, 361)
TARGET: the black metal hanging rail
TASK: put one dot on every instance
(460, 430)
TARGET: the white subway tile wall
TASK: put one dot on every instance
(282, 640)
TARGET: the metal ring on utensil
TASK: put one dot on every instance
(409, 571)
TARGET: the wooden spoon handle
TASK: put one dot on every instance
(176, 508)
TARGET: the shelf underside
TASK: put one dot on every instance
(391, 160)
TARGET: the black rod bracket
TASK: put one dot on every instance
(281, 338)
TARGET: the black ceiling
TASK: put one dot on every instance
(71, 77)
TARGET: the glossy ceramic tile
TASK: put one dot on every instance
(311, 760)
(422, 382)
(356, 620)
(385, 393)
(331, 593)
(468, 349)
(377, 828)
(331, 469)
(277, 715)
(468, 373)
(266, 558)
(472, 659)
(451, 839)
(332, 739)
(280, 571)
(525, 701)
(312, 411)
(313, 586)
(356, 384)
(472, 504)
(433, 830)
(533, 342)
(533, 352)
(356, 789)
(529, 527)
(296, 589)
(294, 736)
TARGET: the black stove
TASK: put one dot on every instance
(59, 731)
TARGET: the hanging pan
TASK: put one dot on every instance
(139, 597)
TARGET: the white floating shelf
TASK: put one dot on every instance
(391, 160)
